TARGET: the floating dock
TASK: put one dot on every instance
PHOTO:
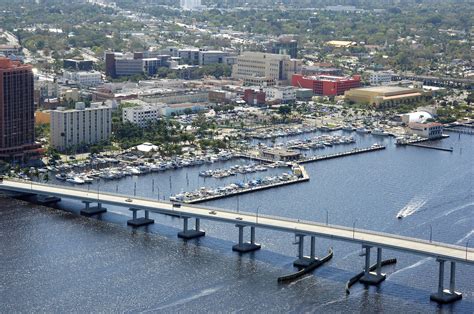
(431, 147)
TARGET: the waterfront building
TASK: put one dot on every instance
(430, 131)
(71, 128)
(281, 154)
(326, 85)
(385, 96)
(17, 109)
(416, 117)
(266, 66)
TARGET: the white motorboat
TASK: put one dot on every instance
(75, 180)
(379, 132)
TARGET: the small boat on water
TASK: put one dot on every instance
(380, 132)
(61, 177)
(362, 130)
(75, 180)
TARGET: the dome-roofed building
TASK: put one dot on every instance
(416, 117)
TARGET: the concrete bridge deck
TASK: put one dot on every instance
(365, 237)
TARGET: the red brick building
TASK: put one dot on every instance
(254, 97)
(326, 85)
(17, 111)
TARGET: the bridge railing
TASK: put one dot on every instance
(260, 215)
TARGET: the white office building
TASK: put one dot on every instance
(71, 128)
(283, 94)
(380, 77)
(142, 115)
(84, 78)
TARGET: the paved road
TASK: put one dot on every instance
(391, 241)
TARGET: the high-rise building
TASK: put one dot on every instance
(17, 110)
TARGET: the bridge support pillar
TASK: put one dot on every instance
(189, 233)
(305, 261)
(370, 277)
(142, 221)
(244, 247)
(91, 211)
(446, 295)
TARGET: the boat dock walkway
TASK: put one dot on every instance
(343, 154)
(304, 177)
(431, 147)
(464, 130)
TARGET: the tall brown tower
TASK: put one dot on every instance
(17, 110)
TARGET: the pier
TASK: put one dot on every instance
(469, 131)
(443, 252)
(355, 151)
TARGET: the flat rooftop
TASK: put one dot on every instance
(386, 89)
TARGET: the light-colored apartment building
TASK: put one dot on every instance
(71, 128)
(142, 115)
(251, 65)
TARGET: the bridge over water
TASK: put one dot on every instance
(443, 252)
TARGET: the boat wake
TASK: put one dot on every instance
(412, 207)
(455, 209)
(419, 263)
(467, 236)
(198, 295)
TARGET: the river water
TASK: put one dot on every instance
(56, 261)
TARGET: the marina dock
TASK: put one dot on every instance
(355, 151)
(464, 130)
(303, 178)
